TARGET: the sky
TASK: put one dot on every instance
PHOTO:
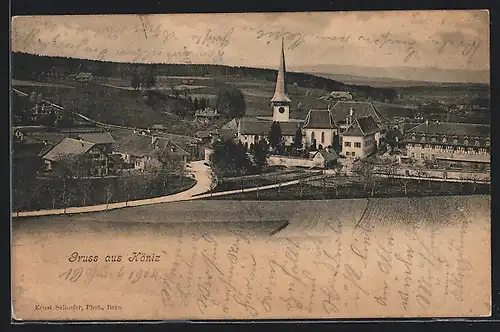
(422, 39)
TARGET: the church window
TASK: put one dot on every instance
(281, 110)
(322, 137)
(357, 144)
(348, 144)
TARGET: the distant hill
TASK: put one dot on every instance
(429, 74)
(29, 66)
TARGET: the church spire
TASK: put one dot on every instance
(280, 93)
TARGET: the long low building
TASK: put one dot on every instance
(451, 145)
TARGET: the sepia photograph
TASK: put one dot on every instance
(304, 165)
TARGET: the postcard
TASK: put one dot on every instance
(251, 166)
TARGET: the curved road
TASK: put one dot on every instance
(198, 191)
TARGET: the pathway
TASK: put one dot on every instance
(201, 190)
(199, 170)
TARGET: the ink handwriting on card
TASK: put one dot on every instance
(319, 275)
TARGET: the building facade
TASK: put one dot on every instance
(450, 145)
(359, 139)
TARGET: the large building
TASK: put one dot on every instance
(451, 145)
(360, 121)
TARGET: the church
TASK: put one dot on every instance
(352, 128)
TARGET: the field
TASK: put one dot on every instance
(116, 106)
(353, 189)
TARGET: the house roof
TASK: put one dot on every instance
(362, 127)
(341, 110)
(136, 145)
(330, 155)
(143, 145)
(451, 128)
(320, 119)
(68, 147)
(249, 126)
(231, 125)
(98, 138)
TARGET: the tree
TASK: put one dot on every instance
(230, 102)
(275, 137)
(203, 103)
(229, 159)
(297, 140)
(150, 81)
(108, 192)
(364, 170)
(135, 82)
(170, 163)
(259, 152)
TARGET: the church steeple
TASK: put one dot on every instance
(280, 93)
(280, 101)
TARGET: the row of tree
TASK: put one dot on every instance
(71, 183)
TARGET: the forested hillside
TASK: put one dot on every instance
(29, 67)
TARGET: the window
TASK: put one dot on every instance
(444, 139)
(313, 136)
(455, 141)
(281, 110)
(347, 153)
(466, 142)
(413, 154)
(433, 139)
(487, 142)
(348, 144)
(422, 156)
(357, 144)
(476, 143)
(353, 154)
(433, 156)
(322, 137)
(422, 139)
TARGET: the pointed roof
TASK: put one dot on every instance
(280, 93)
(342, 109)
(68, 147)
(362, 126)
(319, 119)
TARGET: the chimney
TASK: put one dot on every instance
(427, 122)
(152, 139)
(328, 106)
(351, 112)
(45, 142)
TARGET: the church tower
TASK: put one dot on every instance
(281, 102)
